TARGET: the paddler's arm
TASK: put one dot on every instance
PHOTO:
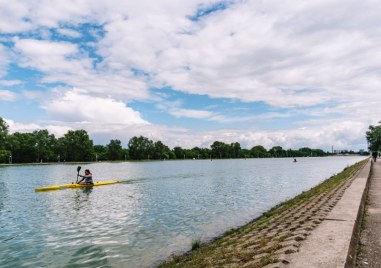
(83, 177)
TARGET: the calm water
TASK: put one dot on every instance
(159, 210)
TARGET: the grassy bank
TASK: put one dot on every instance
(275, 234)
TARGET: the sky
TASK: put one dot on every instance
(291, 73)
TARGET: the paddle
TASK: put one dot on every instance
(78, 169)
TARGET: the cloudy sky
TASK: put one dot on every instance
(290, 73)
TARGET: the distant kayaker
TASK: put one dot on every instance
(87, 178)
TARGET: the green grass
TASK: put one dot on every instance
(196, 243)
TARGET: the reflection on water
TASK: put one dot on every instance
(159, 209)
(81, 197)
(3, 195)
(87, 190)
(89, 256)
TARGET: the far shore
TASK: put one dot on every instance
(159, 160)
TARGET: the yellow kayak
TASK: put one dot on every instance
(74, 185)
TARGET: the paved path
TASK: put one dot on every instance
(370, 239)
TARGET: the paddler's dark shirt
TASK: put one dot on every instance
(87, 178)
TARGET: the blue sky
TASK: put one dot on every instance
(188, 73)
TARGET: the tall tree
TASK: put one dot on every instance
(114, 150)
(277, 151)
(201, 153)
(3, 133)
(4, 154)
(235, 150)
(45, 145)
(76, 146)
(179, 152)
(306, 151)
(220, 149)
(100, 152)
(259, 151)
(161, 151)
(373, 136)
(22, 147)
(140, 148)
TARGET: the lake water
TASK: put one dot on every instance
(159, 209)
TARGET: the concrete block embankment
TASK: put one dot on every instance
(333, 243)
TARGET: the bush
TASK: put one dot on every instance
(4, 156)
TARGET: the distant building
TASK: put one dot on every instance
(340, 151)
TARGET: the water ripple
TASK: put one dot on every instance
(159, 210)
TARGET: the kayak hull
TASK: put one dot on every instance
(75, 185)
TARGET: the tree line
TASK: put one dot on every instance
(373, 136)
(76, 146)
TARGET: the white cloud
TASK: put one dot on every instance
(174, 108)
(4, 60)
(21, 127)
(12, 14)
(59, 130)
(69, 32)
(343, 136)
(50, 56)
(9, 83)
(62, 62)
(253, 51)
(7, 95)
(77, 106)
(298, 54)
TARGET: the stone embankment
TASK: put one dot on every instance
(277, 237)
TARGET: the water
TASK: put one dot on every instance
(159, 209)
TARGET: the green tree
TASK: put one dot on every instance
(318, 152)
(179, 152)
(161, 151)
(245, 153)
(220, 149)
(259, 151)
(4, 154)
(126, 154)
(140, 148)
(373, 136)
(114, 150)
(45, 144)
(100, 152)
(76, 146)
(200, 153)
(235, 150)
(22, 147)
(305, 151)
(277, 151)
(3, 133)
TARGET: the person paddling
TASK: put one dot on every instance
(87, 178)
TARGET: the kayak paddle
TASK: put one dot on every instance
(78, 169)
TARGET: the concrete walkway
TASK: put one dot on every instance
(370, 239)
(333, 243)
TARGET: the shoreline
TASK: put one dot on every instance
(161, 160)
(270, 239)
